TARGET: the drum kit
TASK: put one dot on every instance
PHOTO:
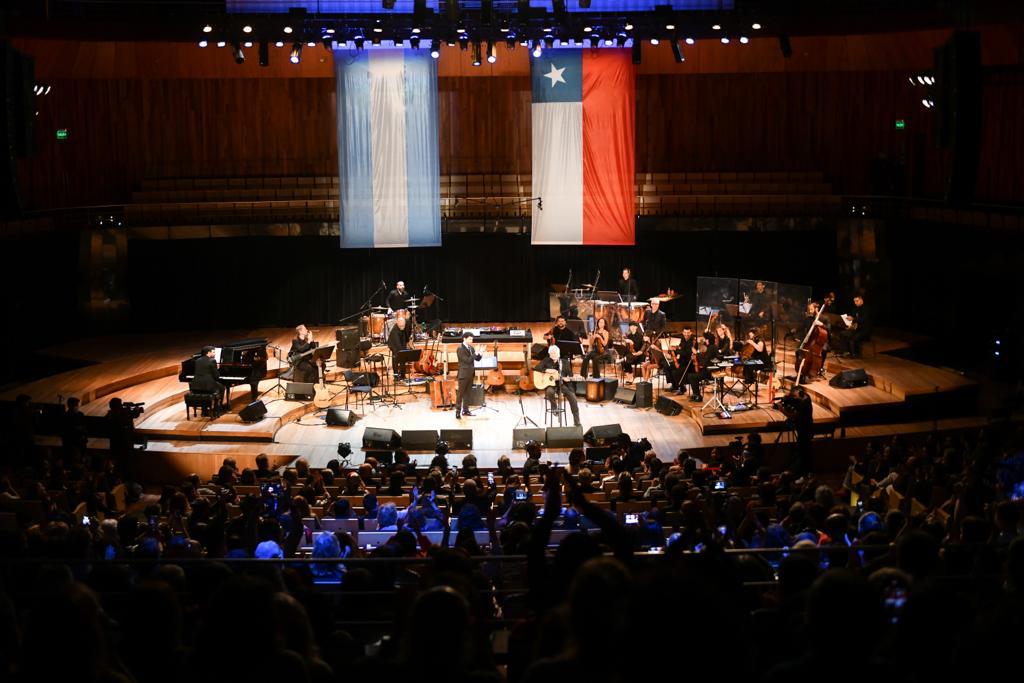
(381, 321)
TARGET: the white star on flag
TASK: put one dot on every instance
(555, 75)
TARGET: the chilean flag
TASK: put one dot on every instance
(584, 105)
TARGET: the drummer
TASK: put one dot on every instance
(654, 319)
(397, 298)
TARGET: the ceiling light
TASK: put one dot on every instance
(296, 54)
(588, 29)
(311, 44)
(203, 43)
(492, 53)
(725, 40)
(717, 27)
(435, 51)
(536, 48)
(670, 27)
(247, 43)
(287, 29)
(690, 40)
(756, 26)
(744, 40)
(654, 41)
(207, 29)
(247, 29)
(279, 43)
(628, 26)
(416, 30)
(221, 43)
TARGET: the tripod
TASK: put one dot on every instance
(524, 419)
(278, 387)
(715, 402)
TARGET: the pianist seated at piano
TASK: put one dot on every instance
(207, 377)
(301, 356)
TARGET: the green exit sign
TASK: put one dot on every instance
(62, 134)
(900, 124)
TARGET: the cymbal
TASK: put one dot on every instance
(411, 300)
(378, 308)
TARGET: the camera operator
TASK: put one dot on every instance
(120, 419)
(800, 413)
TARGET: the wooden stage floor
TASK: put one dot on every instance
(143, 368)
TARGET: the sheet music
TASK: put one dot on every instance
(216, 353)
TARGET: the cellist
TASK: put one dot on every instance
(812, 319)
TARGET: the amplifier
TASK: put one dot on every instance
(299, 391)
(666, 406)
(523, 434)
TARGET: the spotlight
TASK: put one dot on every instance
(744, 40)
(628, 26)
(414, 42)
(207, 29)
(725, 40)
(654, 41)
(247, 29)
(463, 42)
(264, 53)
(756, 26)
(928, 103)
(416, 30)
(536, 48)
(505, 28)
(588, 29)
(329, 31)
(435, 50)
(279, 43)
(608, 42)
(716, 27)
(287, 29)
(247, 43)
(677, 54)
(670, 27)
(236, 52)
(476, 53)
(221, 43)
(549, 41)
(203, 43)
(690, 40)
(296, 54)
(492, 53)
(377, 28)
(461, 28)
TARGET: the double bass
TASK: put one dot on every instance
(809, 353)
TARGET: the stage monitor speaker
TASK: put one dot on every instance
(299, 391)
(847, 379)
(348, 358)
(644, 395)
(602, 435)
(379, 438)
(347, 338)
(611, 385)
(625, 395)
(579, 388)
(253, 412)
(458, 439)
(667, 406)
(564, 437)
(419, 439)
(341, 417)
(476, 395)
(523, 434)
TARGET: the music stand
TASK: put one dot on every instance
(277, 385)
(403, 358)
(485, 363)
(567, 349)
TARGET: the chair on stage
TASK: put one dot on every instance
(360, 384)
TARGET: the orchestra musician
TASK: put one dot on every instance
(598, 352)
(561, 333)
(809, 320)
(635, 351)
(859, 328)
(400, 338)
(397, 298)
(701, 357)
(654, 319)
(673, 361)
(467, 368)
(628, 287)
(551, 363)
(304, 367)
(207, 377)
(721, 343)
(760, 303)
(754, 348)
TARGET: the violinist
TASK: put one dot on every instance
(598, 352)
(700, 358)
(674, 360)
(754, 348)
(636, 349)
(811, 319)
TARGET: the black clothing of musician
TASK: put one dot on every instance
(694, 376)
(629, 289)
(207, 378)
(803, 425)
(860, 328)
(654, 321)
(593, 356)
(564, 334)
(303, 369)
(466, 355)
(750, 371)
(635, 356)
(760, 305)
(551, 393)
(397, 299)
(398, 340)
(806, 329)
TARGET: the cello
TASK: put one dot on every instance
(809, 353)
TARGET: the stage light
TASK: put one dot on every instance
(677, 54)
(414, 42)
(670, 27)
(725, 40)
(608, 42)
(505, 28)
(928, 103)
(461, 29)
(236, 52)
(744, 40)
(329, 31)
(416, 30)
(716, 27)
(510, 42)
(756, 26)
(247, 43)
(492, 53)
(247, 29)
(221, 43)
(654, 41)
(378, 28)
(549, 41)
(588, 29)
(435, 50)
(536, 48)
(628, 26)
(207, 29)
(279, 43)
(296, 54)
(463, 42)
(311, 44)
(476, 53)
(690, 40)
(203, 43)
(359, 41)
(287, 29)
(264, 53)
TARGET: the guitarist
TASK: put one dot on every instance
(551, 365)
(467, 356)
(399, 338)
(561, 332)
(303, 366)
(598, 349)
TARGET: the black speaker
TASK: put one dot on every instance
(299, 391)
(419, 439)
(523, 434)
(458, 439)
(564, 437)
(579, 387)
(625, 395)
(476, 395)
(611, 385)
(601, 435)
(666, 406)
(348, 338)
(341, 417)
(348, 358)
(848, 379)
(253, 412)
(379, 438)
(644, 395)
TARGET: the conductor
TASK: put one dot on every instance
(466, 355)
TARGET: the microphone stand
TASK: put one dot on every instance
(367, 305)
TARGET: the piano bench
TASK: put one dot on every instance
(196, 400)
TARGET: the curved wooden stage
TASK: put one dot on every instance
(904, 396)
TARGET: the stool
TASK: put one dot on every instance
(196, 400)
(551, 413)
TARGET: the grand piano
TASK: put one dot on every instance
(241, 362)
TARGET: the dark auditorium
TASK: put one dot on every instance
(511, 341)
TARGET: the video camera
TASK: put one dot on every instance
(134, 409)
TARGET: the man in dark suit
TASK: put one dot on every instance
(467, 355)
(859, 329)
(628, 287)
(207, 379)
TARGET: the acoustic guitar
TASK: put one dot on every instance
(495, 377)
(545, 379)
(526, 378)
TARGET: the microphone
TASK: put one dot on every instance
(540, 203)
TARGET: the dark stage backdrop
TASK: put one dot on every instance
(210, 284)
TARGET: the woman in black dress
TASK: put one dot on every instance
(303, 366)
